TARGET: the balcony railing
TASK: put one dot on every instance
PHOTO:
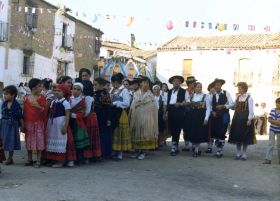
(3, 31)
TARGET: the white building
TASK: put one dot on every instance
(251, 58)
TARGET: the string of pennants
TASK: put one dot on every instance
(93, 18)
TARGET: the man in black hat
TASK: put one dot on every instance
(189, 92)
(220, 118)
(175, 111)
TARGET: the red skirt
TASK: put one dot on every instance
(94, 149)
(70, 154)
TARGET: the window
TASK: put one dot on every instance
(28, 62)
(276, 73)
(3, 31)
(244, 72)
(67, 40)
(31, 19)
(97, 45)
(187, 68)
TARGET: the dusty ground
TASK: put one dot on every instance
(158, 178)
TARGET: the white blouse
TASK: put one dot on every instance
(197, 97)
(74, 101)
(242, 98)
(125, 103)
(89, 102)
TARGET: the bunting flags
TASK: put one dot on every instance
(130, 20)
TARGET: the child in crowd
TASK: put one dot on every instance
(57, 127)
(274, 131)
(102, 107)
(12, 118)
(77, 124)
(34, 115)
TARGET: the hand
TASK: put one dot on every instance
(220, 107)
(64, 130)
(177, 105)
(109, 123)
(205, 122)
(214, 114)
(249, 122)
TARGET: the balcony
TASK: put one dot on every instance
(3, 31)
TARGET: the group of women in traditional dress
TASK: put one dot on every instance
(79, 121)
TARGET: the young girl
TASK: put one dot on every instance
(121, 101)
(102, 107)
(200, 110)
(11, 120)
(161, 105)
(77, 124)
(34, 115)
(242, 131)
(94, 151)
(57, 127)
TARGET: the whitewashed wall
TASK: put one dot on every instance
(43, 67)
(208, 65)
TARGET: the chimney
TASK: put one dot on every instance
(132, 40)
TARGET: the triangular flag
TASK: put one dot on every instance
(202, 25)
(187, 24)
(210, 25)
(235, 27)
(194, 24)
(267, 28)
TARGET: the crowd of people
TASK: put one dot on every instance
(79, 121)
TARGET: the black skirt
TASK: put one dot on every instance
(219, 125)
(239, 131)
(198, 131)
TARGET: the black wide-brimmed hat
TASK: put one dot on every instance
(218, 80)
(179, 77)
(191, 79)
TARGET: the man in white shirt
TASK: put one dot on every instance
(220, 118)
(175, 111)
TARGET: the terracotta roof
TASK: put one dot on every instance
(135, 52)
(246, 41)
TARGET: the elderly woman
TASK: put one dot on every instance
(242, 132)
(144, 120)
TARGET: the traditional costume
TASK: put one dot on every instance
(122, 135)
(35, 124)
(175, 114)
(94, 150)
(200, 110)
(220, 117)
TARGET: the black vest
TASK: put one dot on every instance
(222, 101)
(180, 96)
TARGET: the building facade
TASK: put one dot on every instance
(254, 59)
(45, 41)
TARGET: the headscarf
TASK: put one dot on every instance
(79, 85)
(67, 92)
(88, 88)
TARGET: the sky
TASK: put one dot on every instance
(151, 17)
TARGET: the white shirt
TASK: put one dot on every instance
(64, 102)
(125, 103)
(173, 98)
(74, 101)
(242, 98)
(230, 103)
(89, 102)
(197, 97)
(163, 100)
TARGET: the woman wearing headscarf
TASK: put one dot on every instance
(144, 120)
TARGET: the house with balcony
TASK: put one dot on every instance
(46, 41)
(253, 58)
